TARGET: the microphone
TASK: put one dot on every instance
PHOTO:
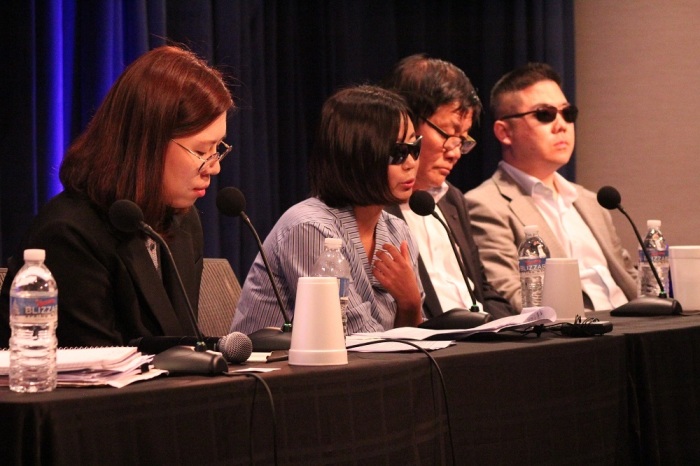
(423, 204)
(236, 347)
(231, 202)
(610, 198)
(127, 217)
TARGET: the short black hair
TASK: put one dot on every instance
(428, 83)
(519, 79)
(349, 162)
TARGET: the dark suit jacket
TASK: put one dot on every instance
(109, 292)
(456, 213)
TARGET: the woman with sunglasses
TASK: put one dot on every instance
(156, 140)
(365, 156)
(534, 122)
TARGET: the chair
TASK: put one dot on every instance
(218, 297)
(3, 272)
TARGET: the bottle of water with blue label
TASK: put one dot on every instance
(655, 244)
(532, 258)
(33, 321)
(332, 263)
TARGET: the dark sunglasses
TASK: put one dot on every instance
(548, 113)
(403, 149)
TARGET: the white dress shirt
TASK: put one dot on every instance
(438, 257)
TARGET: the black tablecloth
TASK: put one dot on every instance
(623, 398)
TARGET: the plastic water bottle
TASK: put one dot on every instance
(332, 263)
(656, 246)
(33, 320)
(532, 257)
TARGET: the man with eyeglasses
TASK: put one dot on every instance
(534, 123)
(444, 104)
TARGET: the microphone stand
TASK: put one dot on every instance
(287, 326)
(462, 268)
(201, 345)
(181, 358)
(662, 292)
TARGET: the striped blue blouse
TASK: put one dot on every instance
(292, 248)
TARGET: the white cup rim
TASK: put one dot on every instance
(561, 260)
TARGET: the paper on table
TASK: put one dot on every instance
(529, 317)
(115, 366)
(114, 379)
(98, 358)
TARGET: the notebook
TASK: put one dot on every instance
(112, 358)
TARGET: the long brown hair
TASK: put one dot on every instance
(166, 93)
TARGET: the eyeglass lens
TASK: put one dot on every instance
(548, 114)
(403, 149)
(465, 145)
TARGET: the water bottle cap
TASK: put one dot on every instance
(531, 229)
(34, 255)
(333, 243)
(655, 224)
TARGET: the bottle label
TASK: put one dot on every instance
(532, 264)
(34, 308)
(655, 255)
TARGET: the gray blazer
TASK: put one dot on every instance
(499, 211)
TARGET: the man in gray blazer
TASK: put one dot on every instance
(444, 104)
(534, 123)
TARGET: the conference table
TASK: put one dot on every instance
(630, 396)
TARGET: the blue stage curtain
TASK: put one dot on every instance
(283, 59)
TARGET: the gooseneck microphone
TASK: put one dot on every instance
(231, 202)
(127, 217)
(609, 198)
(236, 347)
(423, 204)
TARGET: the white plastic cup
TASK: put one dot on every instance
(685, 275)
(317, 336)
(562, 288)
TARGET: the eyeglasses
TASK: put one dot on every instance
(222, 150)
(547, 114)
(465, 144)
(403, 149)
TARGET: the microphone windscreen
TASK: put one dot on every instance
(126, 216)
(422, 203)
(609, 197)
(236, 347)
(230, 201)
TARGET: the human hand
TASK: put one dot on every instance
(393, 269)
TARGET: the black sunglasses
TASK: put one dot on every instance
(403, 149)
(548, 113)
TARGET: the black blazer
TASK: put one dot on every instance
(456, 213)
(109, 292)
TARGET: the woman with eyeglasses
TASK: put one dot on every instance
(156, 140)
(365, 156)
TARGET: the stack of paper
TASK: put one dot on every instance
(425, 337)
(115, 366)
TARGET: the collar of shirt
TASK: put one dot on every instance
(535, 187)
(438, 192)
